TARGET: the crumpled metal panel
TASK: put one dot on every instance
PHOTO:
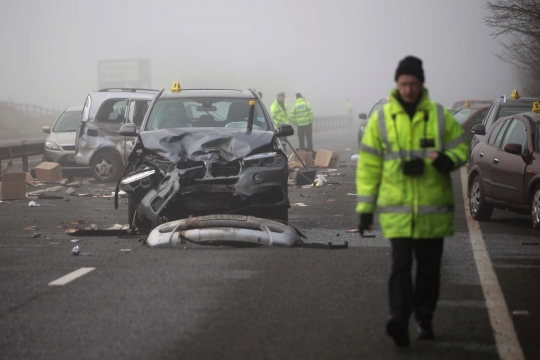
(198, 144)
(225, 230)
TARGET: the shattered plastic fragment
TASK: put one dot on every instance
(75, 240)
(31, 228)
(520, 312)
(299, 204)
(32, 203)
(352, 231)
(76, 251)
(125, 250)
(35, 236)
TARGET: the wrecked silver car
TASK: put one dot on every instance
(98, 143)
(204, 152)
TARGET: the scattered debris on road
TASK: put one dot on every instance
(299, 204)
(520, 312)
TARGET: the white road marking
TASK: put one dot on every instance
(507, 341)
(71, 276)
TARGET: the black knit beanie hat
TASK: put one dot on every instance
(410, 66)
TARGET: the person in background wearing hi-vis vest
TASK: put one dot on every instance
(302, 116)
(279, 111)
(407, 153)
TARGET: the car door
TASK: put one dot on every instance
(136, 111)
(484, 152)
(508, 170)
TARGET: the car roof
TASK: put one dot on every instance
(74, 108)
(533, 116)
(209, 93)
(109, 94)
(476, 101)
(518, 102)
(473, 106)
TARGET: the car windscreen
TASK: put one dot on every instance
(68, 121)
(462, 115)
(513, 110)
(204, 112)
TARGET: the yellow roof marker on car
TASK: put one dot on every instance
(515, 95)
(536, 107)
(466, 104)
(176, 87)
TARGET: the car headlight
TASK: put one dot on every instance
(139, 176)
(51, 145)
(264, 159)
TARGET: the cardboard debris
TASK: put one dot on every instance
(49, 171)
(303, 156)
(326, 158)
(77, 222)
(31, 228)
(13, 186)
(352, 231)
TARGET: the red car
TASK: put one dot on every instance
(504, 168)
(468, 116)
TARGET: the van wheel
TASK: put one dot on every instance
(106, 166)
(535, 208)
(479, 208)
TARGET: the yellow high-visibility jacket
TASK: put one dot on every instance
(301, 113)
(409, 206)
(279, 114)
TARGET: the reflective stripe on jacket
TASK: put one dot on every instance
(279, 114)
(301, 112)
(409, 206)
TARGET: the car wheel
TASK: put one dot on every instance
(535, 208)
(480, 210)
(106, 166)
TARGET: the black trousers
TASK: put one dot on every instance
(306, 131)
(422, 297)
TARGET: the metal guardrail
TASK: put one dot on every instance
(22, 150)
(29, 109)
(25, 148)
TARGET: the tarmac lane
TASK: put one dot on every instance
(198, 302)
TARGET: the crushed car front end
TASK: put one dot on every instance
(176, 173)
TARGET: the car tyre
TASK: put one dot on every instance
(480, 210)
(535, 208)
(106, 166)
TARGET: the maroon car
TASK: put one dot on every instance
(471, 102)
(468, 116)
(504, 169)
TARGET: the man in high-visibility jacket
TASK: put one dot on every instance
(407, 153)
(279, 111)
(302, 116)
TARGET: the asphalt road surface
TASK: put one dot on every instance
(197, 302)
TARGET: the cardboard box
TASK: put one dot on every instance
(14, 177)
(13, 186)
(326, 158)
(29, 177)
(49, 172)
(305, 156)
(12, 191)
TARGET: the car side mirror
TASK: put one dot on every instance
(515, 149)
(285, 130)
(362, 116)
(479, 129)
(129, 129)
(46, 129)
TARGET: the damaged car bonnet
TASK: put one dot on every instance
(181, 145)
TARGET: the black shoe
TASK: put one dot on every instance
(425, 332)
(398, 331)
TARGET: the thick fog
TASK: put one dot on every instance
(327, 50)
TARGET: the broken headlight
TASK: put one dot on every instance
(264, 159)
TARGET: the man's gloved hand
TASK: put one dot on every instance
(366, 223)
(443, 164)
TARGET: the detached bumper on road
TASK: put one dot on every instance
(225, 230)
